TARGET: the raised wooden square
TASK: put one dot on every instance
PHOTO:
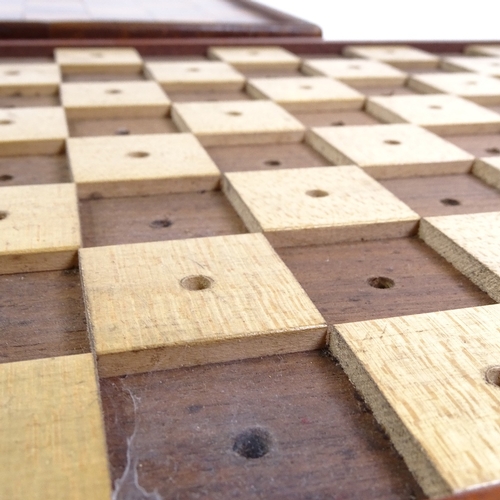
(237, 122)
(482, 89)
(471, 242)
(52, 431)
(29, 79)
(152, 306)
(386, 151)
(356, 71)
(307, 206)
(440, 113)
(485, 65)
(488, 169)
(39, 228)
(432, 382)
(195, 75)
(32, 131)
(114, 100)
(401, 56)
(99, 60)
(255, 57)
(140, 165)
(306, 93)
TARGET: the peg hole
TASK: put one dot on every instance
(122, 131)
(272, 163)
(6, 122)
(339, 123)
(392, 142)
(306, 87)
(492, 375)
(195, 283)
(12, 72)
(253, 443)
(493, 151)
(354, 66)
(160, 223)
(435, 106)
(471, 82)
(138, 154)
(234, 113)
(3, 215)
(97, 55)
(193, 70)
(5, 178)
(450, 202)
(317, 193)
(253, 52)
(381, 282)
(113, 91)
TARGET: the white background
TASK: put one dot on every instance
(429, 20)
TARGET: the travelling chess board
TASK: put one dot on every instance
(198, 254)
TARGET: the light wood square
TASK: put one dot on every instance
(485, 65)
(114, 100)
(52, 432)
(426, 379)
(401, 56)
(306, 206)
(29, 79)
(96, 59)
(39, 228)
(439, 113)
(355, 71)
(483, 50)
(479, 88)
(255, 57)
(152, 306)
(140, 165)
(305, 93)
(32, 131)
(237, 122)
(195, 75)
(471, 242)
(488, 169)
(386, 151)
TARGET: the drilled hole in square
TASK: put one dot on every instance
(317, 193)
(381, 282)
(253, 443)
(5, 178)
(492, 375)
(160, 223)
(195, 283)
(193, 70)
(12, 72)
(306, 87)
(354, 66)
(493, 151)
(452, 202)
(339, 123)
(3, 215)
(122, 131)
(138, 154)
(6, 122)
(434, 106)
(97, 55)
(234, 113)
(113, 91)
(272, 163)
(392, 142)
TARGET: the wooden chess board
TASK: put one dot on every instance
(199, 253)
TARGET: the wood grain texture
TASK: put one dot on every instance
(317, 205)
(237, 122)
(478, 145)
(114, 100)
(445, 195)
(488, 169)
(485, 65)
(98, 59)
(324, 442)
(255, 57)
(400, 56)
(32, 131)
(471, 243)
(335, 118)
(359, 71)
(265, 157)
(40, 228)
(440, 113)
(386, 151)
(29, 79)
(140, 165)
(424, 378)
(195, 75)
(479, 88)
(306, 93)
(188, 302)
(35, 169)
(116, 221)
(53, 443)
